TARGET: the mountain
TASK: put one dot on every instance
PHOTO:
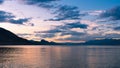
(42, 42)
(98, 42)
(9, 38)
(103, 42)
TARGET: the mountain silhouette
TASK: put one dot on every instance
(7, 38)
(103, 42)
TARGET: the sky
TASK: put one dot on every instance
(61, 20)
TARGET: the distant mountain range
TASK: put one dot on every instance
(103, 42)
(9, 38)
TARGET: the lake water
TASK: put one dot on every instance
(60, 57)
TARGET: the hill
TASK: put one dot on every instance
(103, 42)
(9, 38)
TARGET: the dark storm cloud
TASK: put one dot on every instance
(113, 14)
(65, 12)
(19, 21)
(117, 28)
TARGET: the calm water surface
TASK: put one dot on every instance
(60, 57)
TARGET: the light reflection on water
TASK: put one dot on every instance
(60, 57)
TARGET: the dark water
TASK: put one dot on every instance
(60, 57)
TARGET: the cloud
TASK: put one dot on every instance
(117, 28)
(112, 35)
(19, 21)
(73, 38)
(95, 12)
(72, 33)
(113, 14)
(72, 25)
(52, 31)
(76, 25)
(61, 12)
(23, 34)
(31, 2)
(1, 1)
(5, 16)
(48, 5)
(64, 30)
(49, 35)
(65, 12)
(9, 17)
(66, 27)
(41, 3)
